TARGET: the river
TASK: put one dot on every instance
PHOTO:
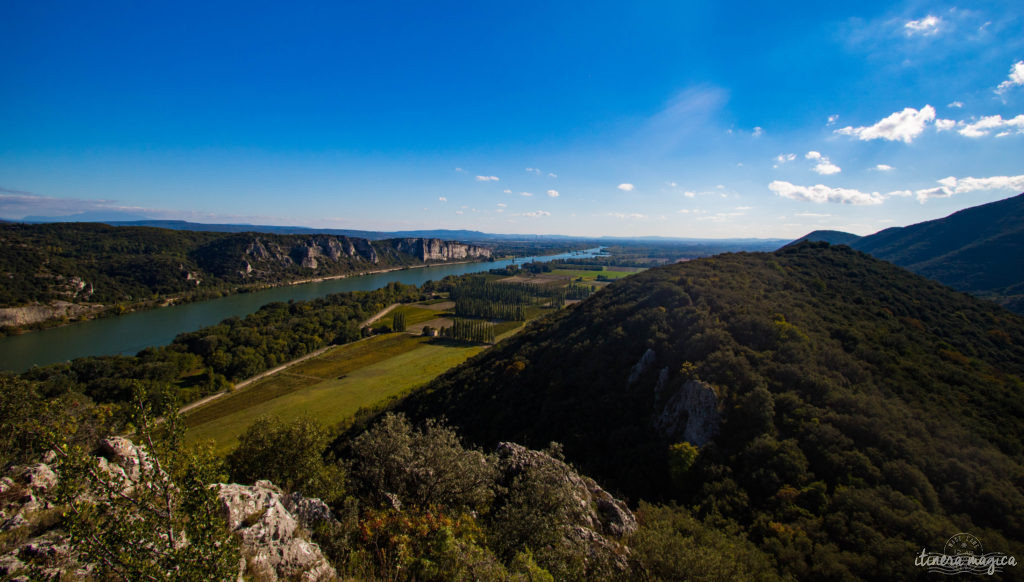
(130, 333)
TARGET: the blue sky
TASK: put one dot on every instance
(693, 119)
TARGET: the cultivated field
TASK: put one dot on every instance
(330, 388)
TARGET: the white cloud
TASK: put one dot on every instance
(672, 184)
(460, 170)
(553, 193)
(744, 207)
(632, 216)
(527, 194)
(825, 167)
(884, 168)
(900, 193)
(626, 187)
(812, 214)
(486, 178)
(533, 170)
(459, 212)
(944, 124)
(442, 199)
(689, 194)
(502, 205)
(820, 193)
(951, 186)
(926, 26)
(956, 105)
(1016, 78)
(552, 175)
(537, 213)
(507, 191)
(900, 126)
(832, 119)
(983, 126)
(783, 158)
(758, 131)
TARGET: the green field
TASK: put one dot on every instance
(589, 275)
(413, 315)
(330, 388)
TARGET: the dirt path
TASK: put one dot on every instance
(284, 366)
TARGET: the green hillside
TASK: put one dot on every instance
(979, 250)
(865, 412)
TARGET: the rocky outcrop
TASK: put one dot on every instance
(36, 313)
(641, 366)
(273, 529)
(690, 414)
(597, 519)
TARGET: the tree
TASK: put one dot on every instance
(398, 321)
(155, 518)
(289, 454)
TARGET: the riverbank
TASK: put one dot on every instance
(64, 313)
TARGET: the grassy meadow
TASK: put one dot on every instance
(329, 388)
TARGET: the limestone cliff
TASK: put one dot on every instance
(434, 249)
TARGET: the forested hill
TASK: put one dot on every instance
(841, 412)
(979, 250)
(96, 263)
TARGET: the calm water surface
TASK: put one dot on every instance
(128, 334)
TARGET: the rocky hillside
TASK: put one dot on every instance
(841, 412)
(273, 530)
(74, 270)
(978, 250)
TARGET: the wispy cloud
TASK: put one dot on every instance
(820, 193)
(884, 168)
(783, 158)
(956, 105)
(486, 178)
(952, 186)
(985, 125)
(1016, 78)
(536, 213)
(527, 194)
(533, 171)
(442, 199)
(630, 216)
(926, 26)
(626, 187)
(832, 119)
(758, 132)
(902, 126)
(553, 193)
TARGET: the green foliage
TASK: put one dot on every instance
(395, 462)
(681, 456)
(399, 321)
(865, 410)
(291, 455)
(671, 544)
(156, 521)
(469, 330)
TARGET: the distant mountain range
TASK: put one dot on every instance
(979, 250)
(445, 234)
